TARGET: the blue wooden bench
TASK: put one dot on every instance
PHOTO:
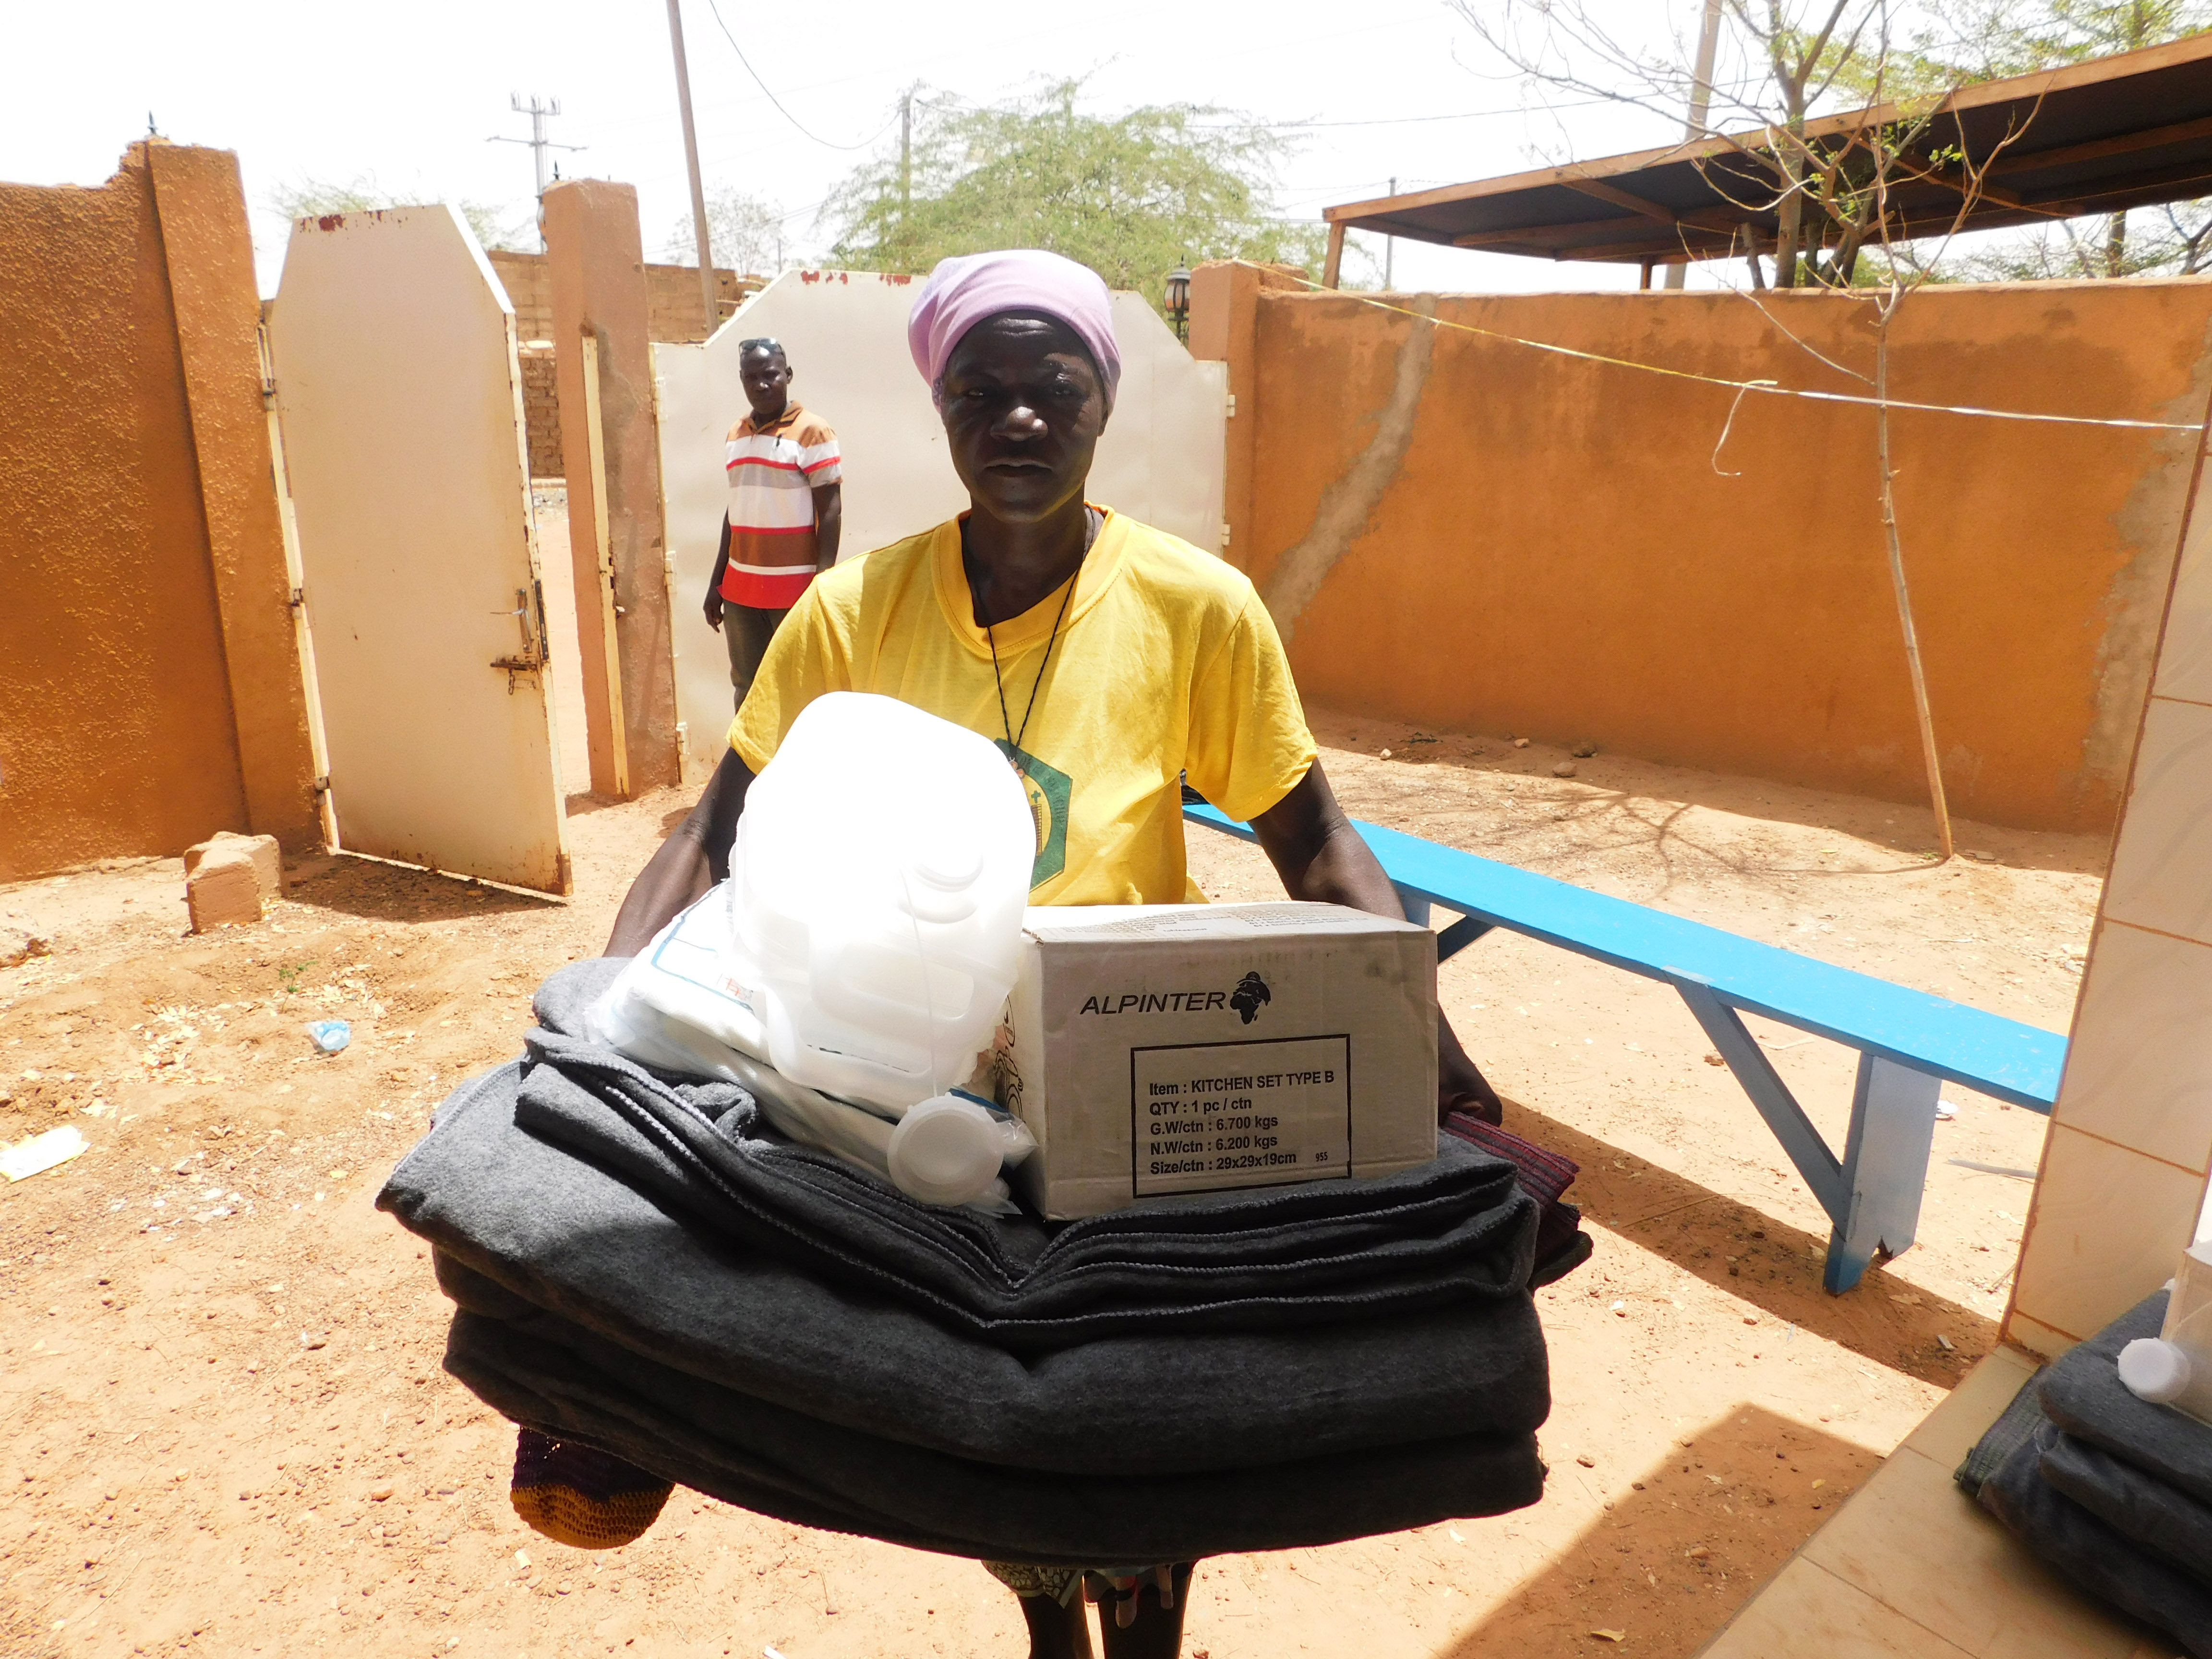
(1909, 1042)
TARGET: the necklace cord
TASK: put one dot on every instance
(1006, 719)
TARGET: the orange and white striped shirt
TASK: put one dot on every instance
(774, 471)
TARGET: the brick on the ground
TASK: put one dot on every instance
(230, 879)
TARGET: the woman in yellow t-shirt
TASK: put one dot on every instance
(1106, 659)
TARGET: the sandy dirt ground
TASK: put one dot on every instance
(227, 1430)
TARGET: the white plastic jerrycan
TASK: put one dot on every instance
(877, 884)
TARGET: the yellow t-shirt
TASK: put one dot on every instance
(1167, 662)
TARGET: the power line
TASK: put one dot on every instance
(1739, 387)
(772, 98)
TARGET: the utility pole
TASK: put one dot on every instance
(1389, 251)
(906, 153)
(1701, 100)
(539, 144)
(713, 312)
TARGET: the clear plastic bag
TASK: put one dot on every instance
(939, 1161)
(860, 953)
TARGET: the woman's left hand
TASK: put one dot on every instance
(1459, 1086)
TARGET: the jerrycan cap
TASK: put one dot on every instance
(944, 1150)
(2155, 1370)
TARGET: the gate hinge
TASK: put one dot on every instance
(268, 361)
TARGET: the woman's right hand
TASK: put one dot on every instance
(689, 861)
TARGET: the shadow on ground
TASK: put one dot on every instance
(1777, 1267)
(1677, 1552)
(358, 886)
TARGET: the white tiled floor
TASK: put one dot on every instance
(1909, 1568)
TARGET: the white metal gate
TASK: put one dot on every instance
(392, 347)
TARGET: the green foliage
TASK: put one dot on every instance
(1988, 39)
(744, 234)
(310, 199)
(1969, 40)
(1131, 197)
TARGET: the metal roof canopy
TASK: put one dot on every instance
(2126, 131)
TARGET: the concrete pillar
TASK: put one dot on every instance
(597, 262)
(208, 250)
(1224, 324)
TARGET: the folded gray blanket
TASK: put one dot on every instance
(780, 1462)
(2167, 1521)
(565, 1236)
(1457, 1227)
(642, 1266)
(2082, 1394)
(2004, 1473)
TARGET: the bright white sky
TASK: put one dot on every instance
(409, 92)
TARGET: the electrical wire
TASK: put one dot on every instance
(814, 137)
(1739, 387)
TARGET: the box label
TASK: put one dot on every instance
(1204, 1116)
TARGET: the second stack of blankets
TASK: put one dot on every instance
(2114, 1491)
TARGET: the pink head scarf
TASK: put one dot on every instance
(965, 290)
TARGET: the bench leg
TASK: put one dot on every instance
(1783, 1116)
(1884, 1167)
(1452, 939)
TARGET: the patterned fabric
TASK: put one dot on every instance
(1057, 1582)
(1116, 1589)
(965, 289)
(1561, 1244)
(774, 471)
(1544, 1176)
(579, 1495)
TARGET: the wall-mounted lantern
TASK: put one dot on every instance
(1178, 306)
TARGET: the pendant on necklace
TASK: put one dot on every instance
(1032, 798)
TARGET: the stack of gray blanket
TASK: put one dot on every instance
(641, 1265)
(2114, 1491)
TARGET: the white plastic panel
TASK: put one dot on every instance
(845, 332)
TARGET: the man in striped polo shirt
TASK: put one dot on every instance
(787, 509)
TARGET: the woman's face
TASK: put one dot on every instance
(1023, 408)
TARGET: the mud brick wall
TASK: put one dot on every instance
(672, 313)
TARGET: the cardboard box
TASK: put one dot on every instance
(1194, 1048)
